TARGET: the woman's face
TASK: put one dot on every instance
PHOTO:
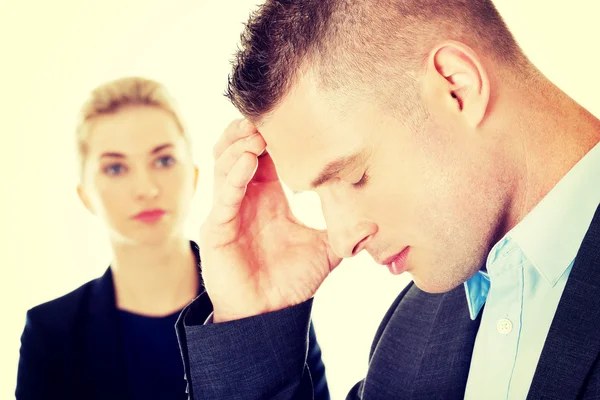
(138, 175)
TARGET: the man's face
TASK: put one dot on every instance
(432, 190)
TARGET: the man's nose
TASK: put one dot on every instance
(348, 231)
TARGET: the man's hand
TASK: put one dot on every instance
(256, 257)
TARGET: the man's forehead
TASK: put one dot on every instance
(298, 151)
(306, 132)
(306, 159)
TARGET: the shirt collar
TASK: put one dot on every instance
(551, 234)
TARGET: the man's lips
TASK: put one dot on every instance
(397, 263)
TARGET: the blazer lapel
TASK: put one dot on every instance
(103, 355)
(102, 359)
(444, 367)
(573, 341)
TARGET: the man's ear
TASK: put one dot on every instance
(457, 82)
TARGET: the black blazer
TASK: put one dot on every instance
(71, 348)
(422, 349)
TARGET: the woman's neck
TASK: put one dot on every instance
(154, 280)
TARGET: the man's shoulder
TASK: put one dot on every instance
(414, 306)
(412, 299)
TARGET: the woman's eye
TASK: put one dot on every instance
(114, 169)
(165, 161)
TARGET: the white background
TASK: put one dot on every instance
(52, 53)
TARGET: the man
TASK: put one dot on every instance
(437, 147)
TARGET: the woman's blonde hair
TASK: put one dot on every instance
(111, 96)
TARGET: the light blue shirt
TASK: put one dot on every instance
(526, 274)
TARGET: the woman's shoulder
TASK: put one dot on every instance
(61, 313)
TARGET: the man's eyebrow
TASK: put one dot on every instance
(333, 168)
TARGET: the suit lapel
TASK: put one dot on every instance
(103, 356)
(431, 336)
(573, 341)
(444, 367)
(102, 360)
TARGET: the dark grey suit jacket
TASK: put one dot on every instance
(422, 349)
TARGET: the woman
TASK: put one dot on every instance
(114, 337)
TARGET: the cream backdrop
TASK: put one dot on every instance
(53, 52)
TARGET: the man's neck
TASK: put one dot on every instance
(154, 280)
(546, 142)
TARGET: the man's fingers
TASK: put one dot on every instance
(237, 129)
(229, 196)
(334, 259)
(253, 144)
